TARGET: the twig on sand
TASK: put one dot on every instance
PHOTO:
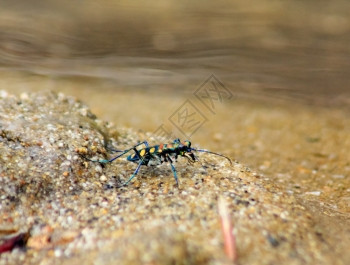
(226, 226)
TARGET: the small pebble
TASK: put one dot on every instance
(315, 193)
(3, 94)
(58, 252)
(24, 96)
(98, 169)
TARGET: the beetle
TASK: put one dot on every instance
(157, 154)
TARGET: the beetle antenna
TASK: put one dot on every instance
(114, 150)
(206, 151)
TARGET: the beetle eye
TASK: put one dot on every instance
(188, 143)
(176, 141)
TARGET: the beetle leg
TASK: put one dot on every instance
(173, 169)
(134, 174)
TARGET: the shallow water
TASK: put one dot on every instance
(264, 49)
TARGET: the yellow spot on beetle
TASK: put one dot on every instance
(152, 150)
(142, 152)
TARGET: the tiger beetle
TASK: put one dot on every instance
(157, 154)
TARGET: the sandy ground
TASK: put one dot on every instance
(288, 196)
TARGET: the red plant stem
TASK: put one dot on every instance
(226, 226)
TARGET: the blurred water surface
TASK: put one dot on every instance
(294, 50)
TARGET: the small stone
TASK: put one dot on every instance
(315, 193)
(103, 178)
(41, 241)
(98, 168)
(83, 112)
(273, 241)
(24, 96)
(82, 150)
(3, 94)
(58, 252)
